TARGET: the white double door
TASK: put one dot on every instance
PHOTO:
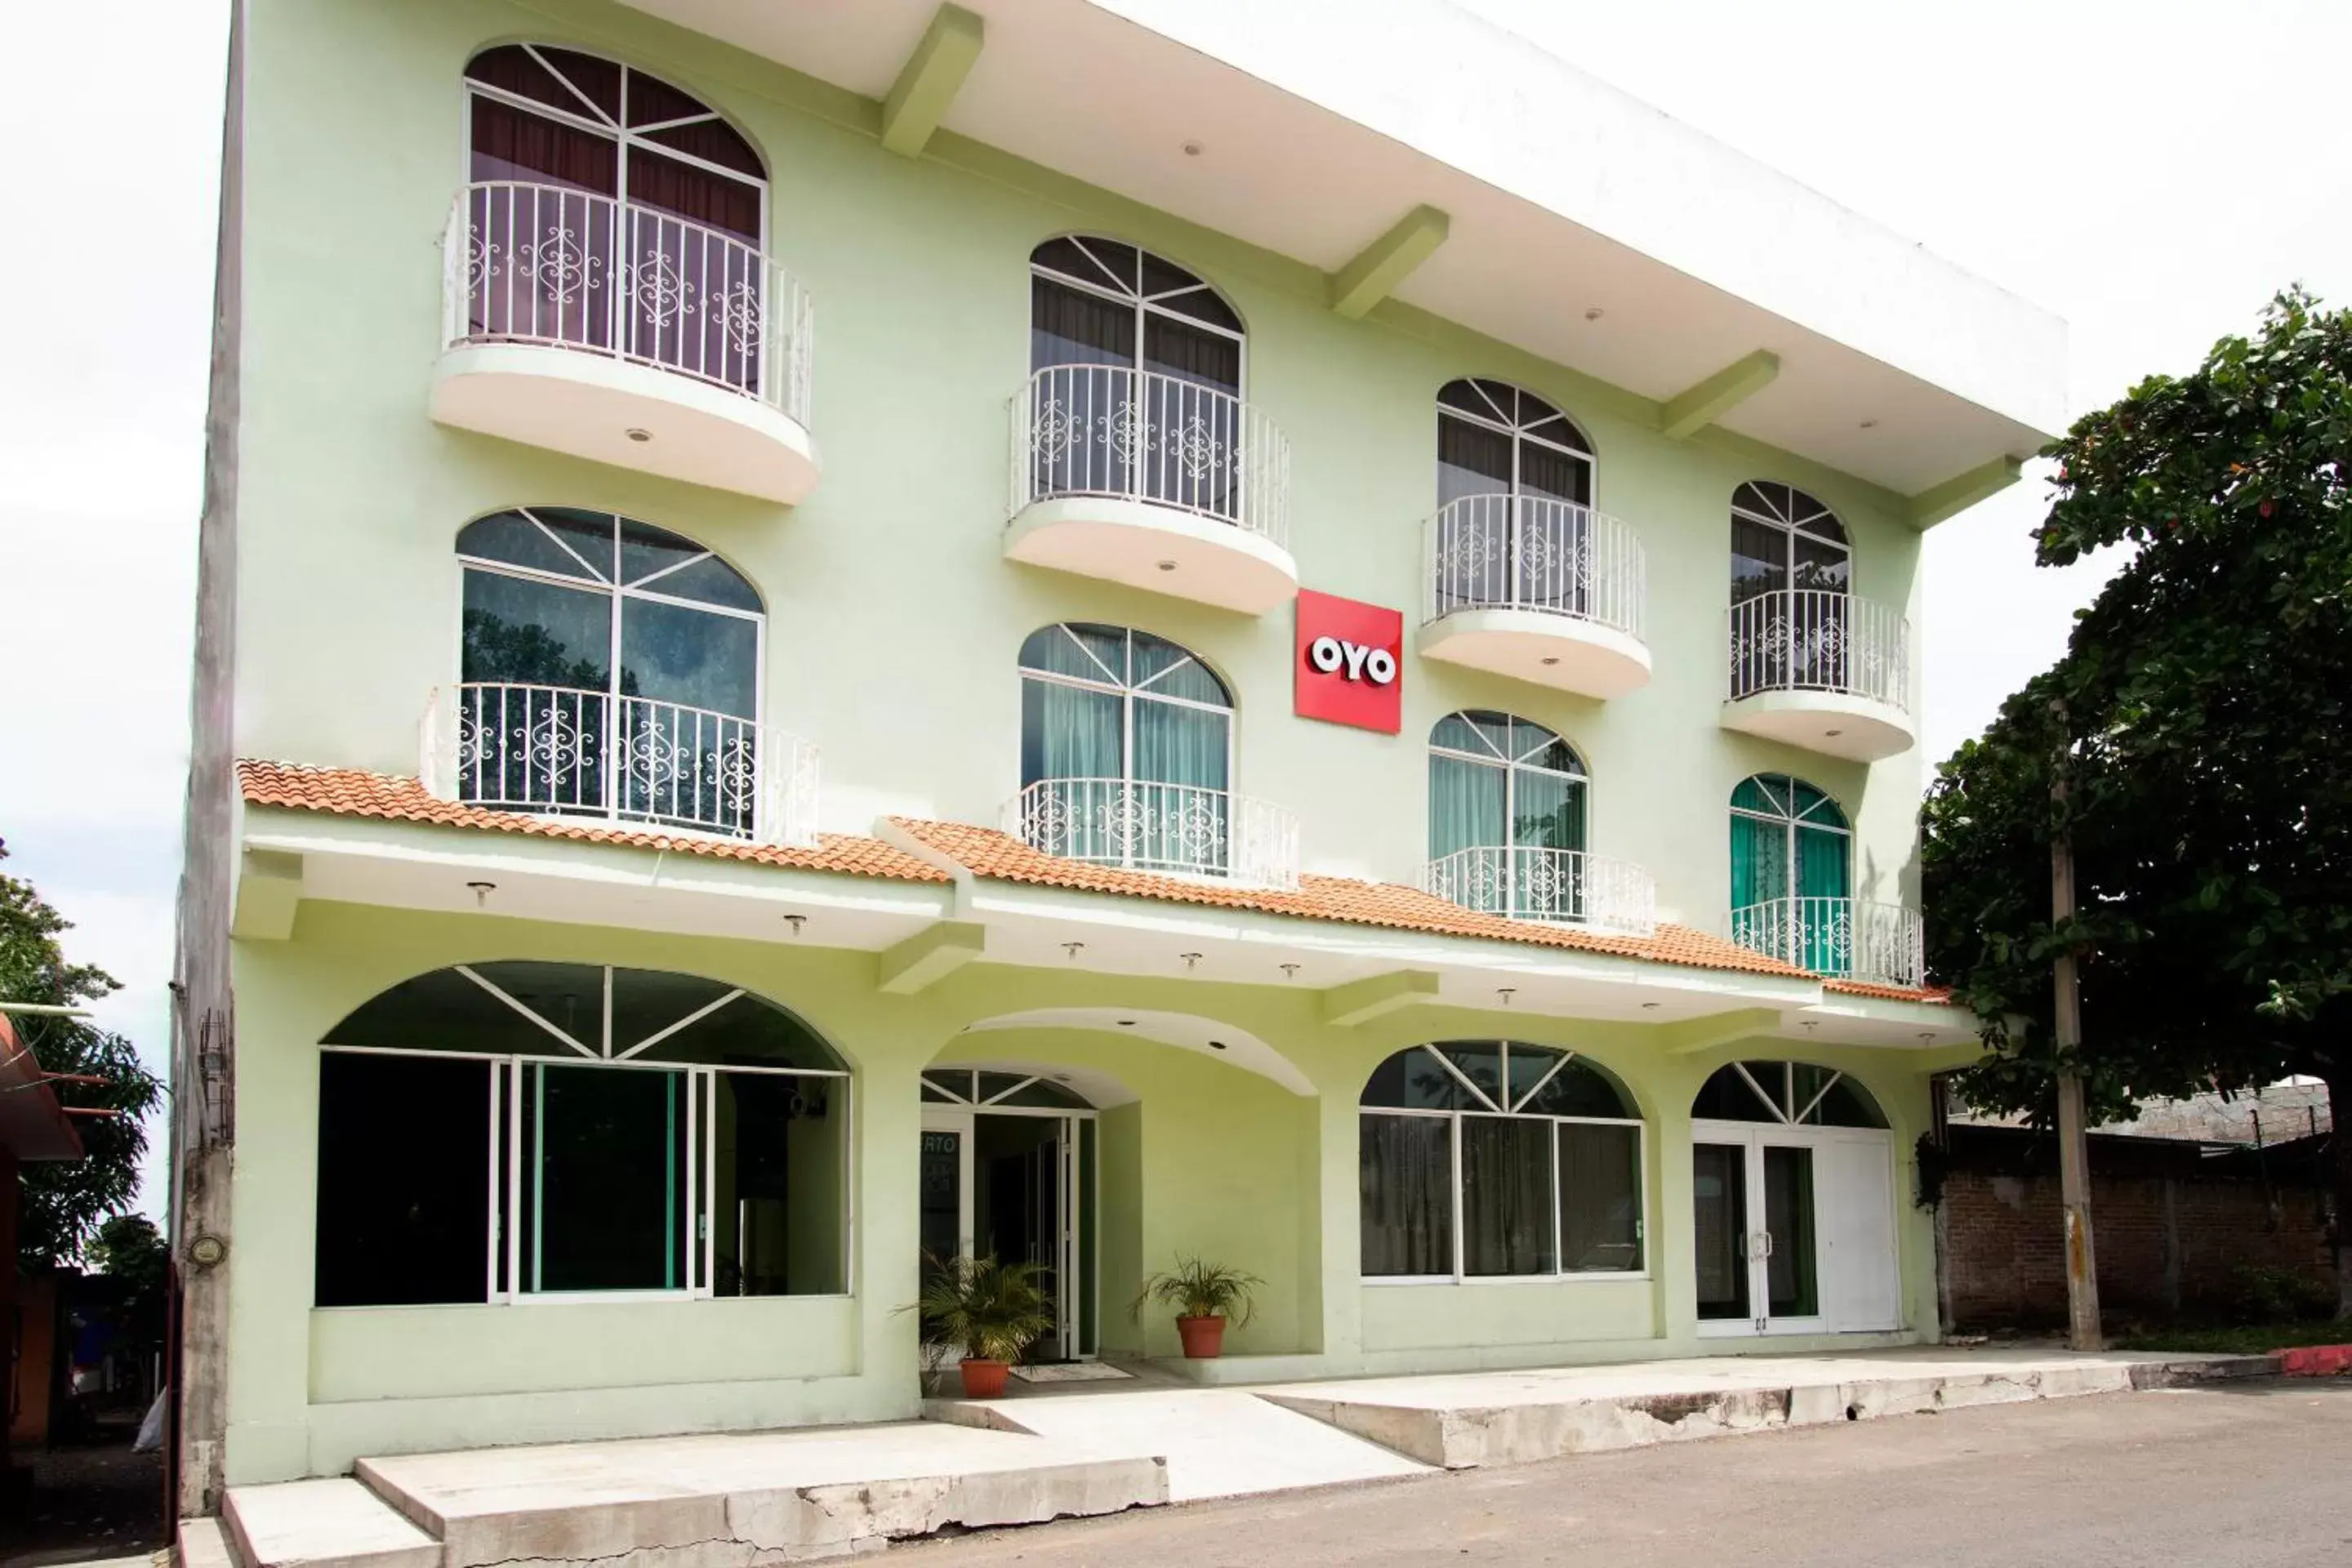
(1793, 1229)
(1006, 1184)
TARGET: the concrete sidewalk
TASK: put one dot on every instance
(745, 1501)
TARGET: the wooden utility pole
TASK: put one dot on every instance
(204, 1058)
(2074, 1141)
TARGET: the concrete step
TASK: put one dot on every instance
(1485, 1419)
(725, 1501)
(323, 1524)
(202, 1543)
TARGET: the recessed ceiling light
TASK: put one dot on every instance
(1167, 566)
(1192, 149)
(1870, 425)
(1647, 1005)
(1593, 313)
(634, 434)
(1127, 1022)
(1834, 734)
(1216, 1045)
(1552, 658)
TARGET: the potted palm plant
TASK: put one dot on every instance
(1205, 1296)
(991, 1312)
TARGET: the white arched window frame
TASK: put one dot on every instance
(1544, 446)
(1528, 861)
(1791, 873)
(654, 1054)
(1454, 1188)
(529, 735)
(1515, 525)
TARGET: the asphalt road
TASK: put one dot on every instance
(2241, 1475)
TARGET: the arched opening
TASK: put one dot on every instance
(519, 1131)
(1136, 380)
(1494, 1158)
(1506, 818)
(1791, 873)
(1126, 751)
(1791, 568)
(1794, 1202)
(607, 667)
(609, 210)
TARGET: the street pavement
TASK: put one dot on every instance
(2233, 1476)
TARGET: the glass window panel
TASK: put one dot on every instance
(1172, 671)
(1414, 1080)
(1822, 567)
(1463, 395)
(568, 995)
(1810, 804)
(1599, 1199)
(1848, 1104)
(647, 1001)
(511, 143)
(1165, 277)
(1792, 1289)
(598, 81)
(713, 142)
(1760, 560)
(1579, 1089)
(535, 633)
(645, 550)
(1070, 326)
(1555, 475)
(1119, 264)
(1189, 353)
(1202, 305)
(446, 1011)
(1089, 653)
(1759, 862)
(710, 581)
(1507, 1223)
(672, 653)
(934, 1095)
(1821, 863)
(1456, 732)
(1044, 1092)
(1482, 1064)
(992, 1084)
(1067, 256)
(590, 535)
(1089, 1265)
(1405, 1178)
(1549, 811)
(1068, 732)
(1471, 460)
(1177, 746)
(404, 1180)
(1726, 1097)
(1720, 1198)
(1528, 1066)
(779, 1197)
(603, 1162)
(653, 100)
(515, 539)
(940, 1197)
(747, 1032)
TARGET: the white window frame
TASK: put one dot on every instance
(1519, 429)
(1488, 1110)
(1146, 305)
(1791, 821)
(1798, 523)
(1511, 768)
(1117, 686)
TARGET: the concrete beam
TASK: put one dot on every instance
(934, 73)
(1359, 1001)
(1718, 394)
(1388, 262)
(268, 891)
(1694, 1035)
(931, 955)
(1961, 492)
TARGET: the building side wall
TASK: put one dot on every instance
(890, 578)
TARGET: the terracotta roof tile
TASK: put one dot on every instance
(1936, 994)
(988, 853)
(352, 793)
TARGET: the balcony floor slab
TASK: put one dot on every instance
(1834, 723)
(1159, 549)
(1564, 652)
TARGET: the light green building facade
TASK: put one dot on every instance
(1191, 970)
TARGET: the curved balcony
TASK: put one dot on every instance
(1540, 590)
(554, 751)
(1822, 671)
(1846, 939)
(1153, 481)
(1559, 886)
(1140, 826)
(626, 335)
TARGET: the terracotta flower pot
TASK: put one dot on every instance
(1204, 1337)
(984, 1379)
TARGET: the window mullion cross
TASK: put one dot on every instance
(1463, 1080)
(1779, 1113)
(1814, 1103)
(560, 1034)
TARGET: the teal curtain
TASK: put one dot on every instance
(1550, 810)
(1820, 874)
(1067, 732)
(1759, 861)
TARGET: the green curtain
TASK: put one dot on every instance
(1465, 805)
(1820, 874)
(1759, 861)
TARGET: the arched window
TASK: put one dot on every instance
(1790, 852)
(1789, 1094)
(608, 667)
(1782, 538)
(1514, 490)
(1505, 816)
(609, 210)
(1136, 379)
(1126, 749)
(563, 1130)
(1488, 1158)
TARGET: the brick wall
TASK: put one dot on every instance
(2171, 1223)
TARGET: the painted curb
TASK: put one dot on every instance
(2314, 1360)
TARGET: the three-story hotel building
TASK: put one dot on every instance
(1084, 630)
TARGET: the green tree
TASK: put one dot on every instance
(2198, 723)
(63, 1203)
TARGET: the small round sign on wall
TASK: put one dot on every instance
(1349, 662)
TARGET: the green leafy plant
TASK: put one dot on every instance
(989, 1311)
(1200, 1289)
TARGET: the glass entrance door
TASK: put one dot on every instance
(1755, 1223)
(1016, 1186)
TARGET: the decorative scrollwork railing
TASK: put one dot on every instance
(1882, 945)
(1529, 552)
(1529, 882)
(559, 751)
(539, 264)
(1111, 430)
(1146, 827)
(1812, 639)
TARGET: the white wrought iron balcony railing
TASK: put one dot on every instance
(1529, 553)
(1567, 887)
(1142, 826)
(1811, 640)
(557, 752)
(539, 264)
(1882, 944)
(1130, 435)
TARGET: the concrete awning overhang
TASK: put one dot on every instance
(1582, 225)
(33, 1126)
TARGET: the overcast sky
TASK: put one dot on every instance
(2152, 169)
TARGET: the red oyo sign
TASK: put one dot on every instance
(1348, 665)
